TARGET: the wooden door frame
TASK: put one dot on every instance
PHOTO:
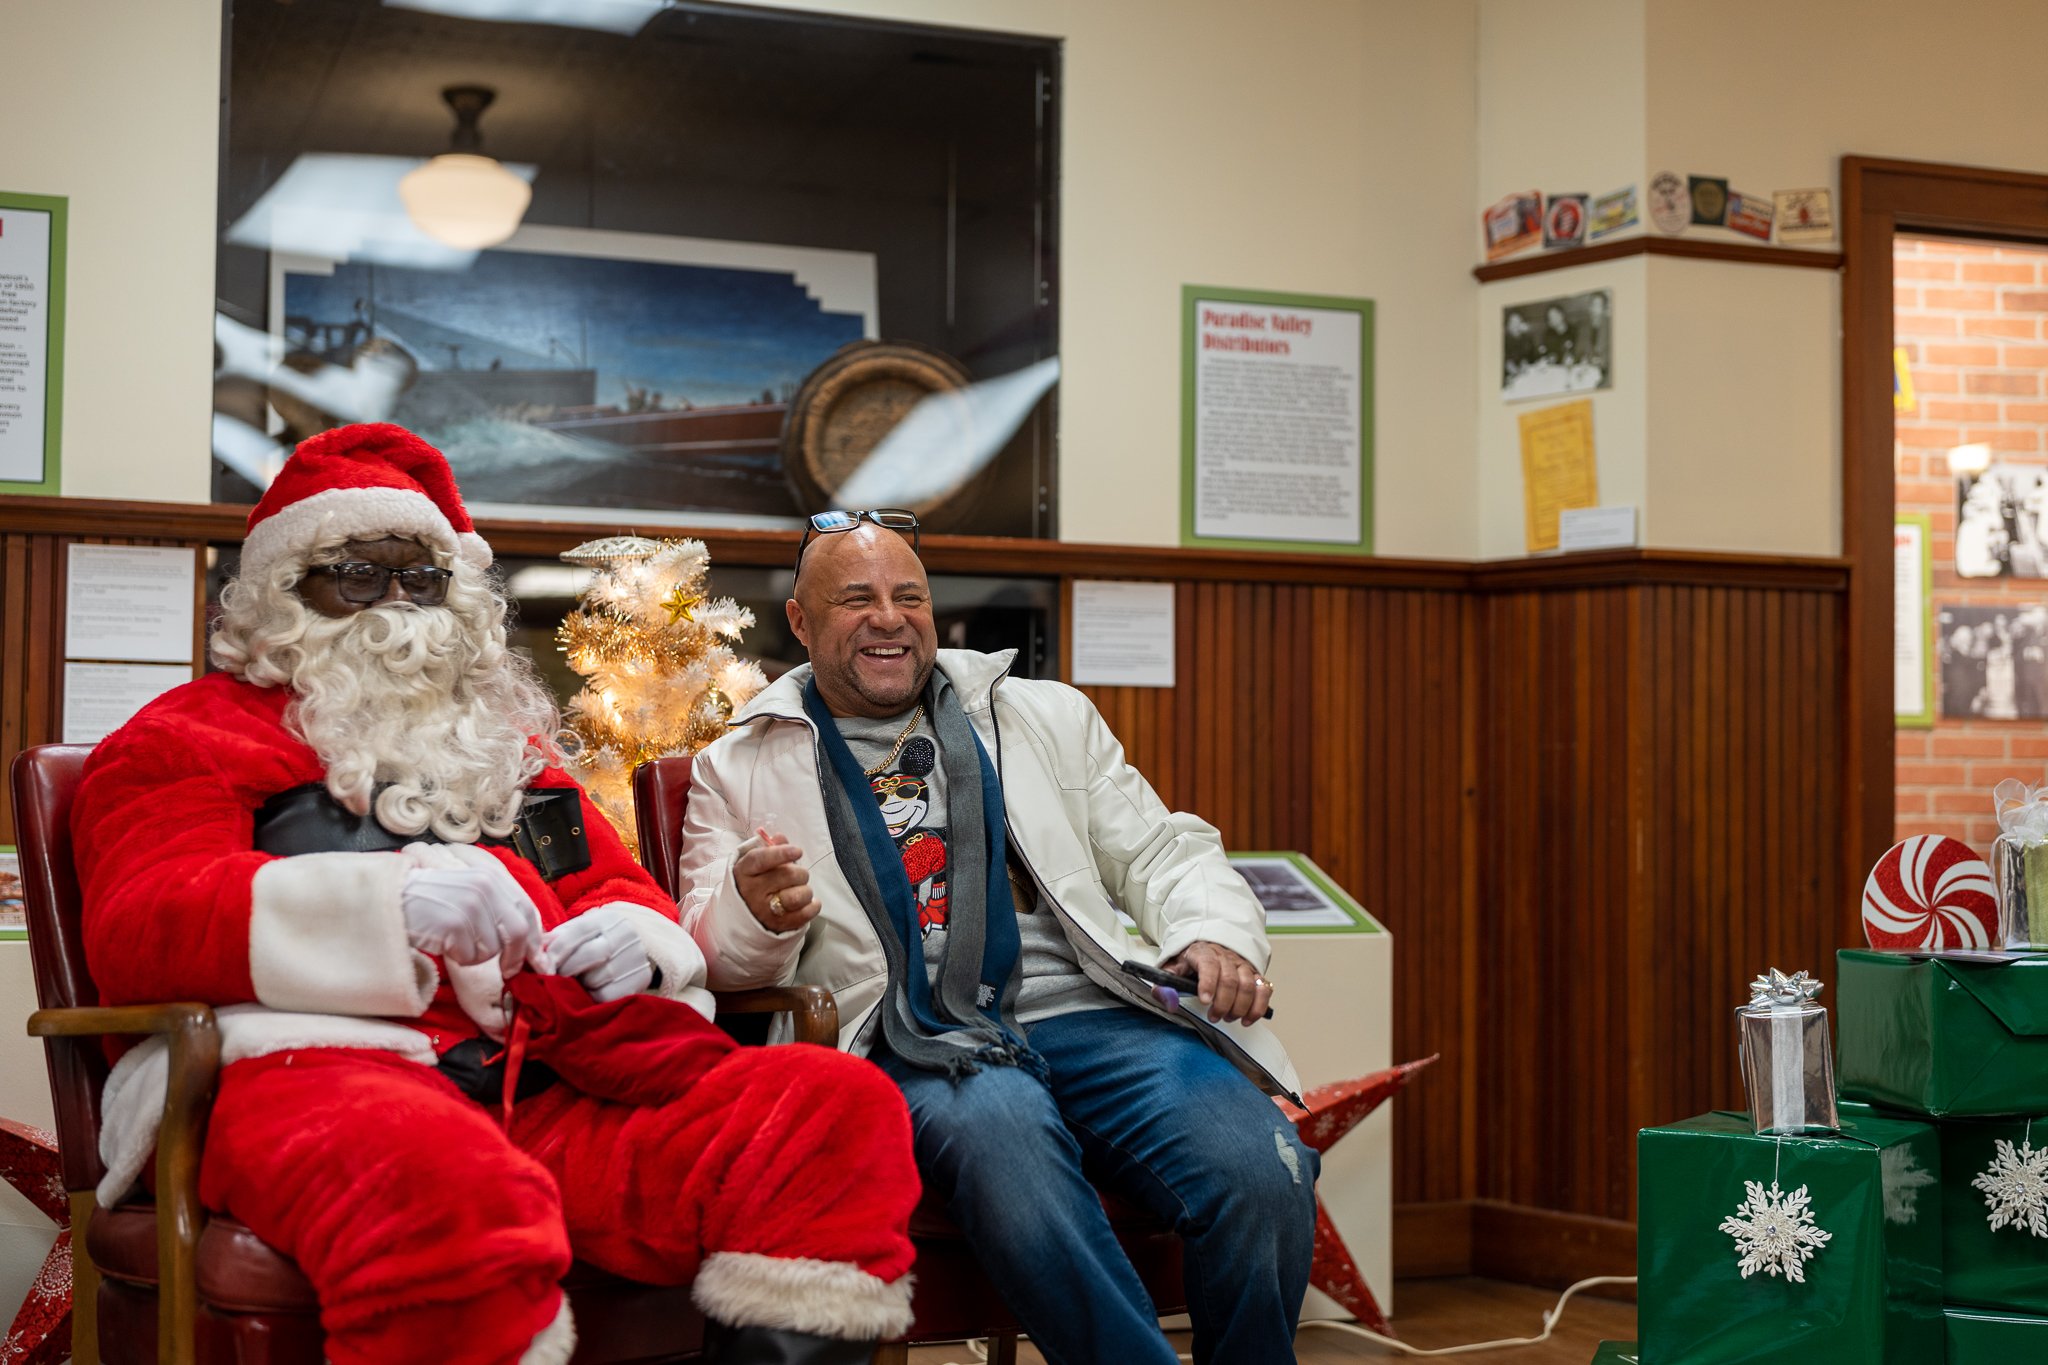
(1880, 198)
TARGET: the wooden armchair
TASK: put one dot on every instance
(953, 1299)
(173, 1285)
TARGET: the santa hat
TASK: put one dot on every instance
(361, 483)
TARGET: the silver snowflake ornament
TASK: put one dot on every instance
(2015, 1187)
(1774, 1232)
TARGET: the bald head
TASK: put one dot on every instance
(863, 610)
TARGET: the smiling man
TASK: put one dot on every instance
(947, 849)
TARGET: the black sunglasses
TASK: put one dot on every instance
(364, 583)
(898, 519)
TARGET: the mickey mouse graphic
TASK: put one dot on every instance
(905, 798)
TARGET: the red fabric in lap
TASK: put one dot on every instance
(642, 1049)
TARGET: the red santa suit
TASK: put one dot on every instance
(779, 1180)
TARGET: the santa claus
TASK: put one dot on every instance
(461, 1027)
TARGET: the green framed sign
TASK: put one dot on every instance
(1276, 421)
(32, 235)
(1913, 621)
(13, 902)
(1299, 897)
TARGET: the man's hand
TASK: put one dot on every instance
(776, 890)
(603, 951)
(470, 915)
(1230, 986)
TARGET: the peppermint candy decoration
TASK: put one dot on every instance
(1930, 893)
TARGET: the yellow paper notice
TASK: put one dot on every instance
(1557, 468)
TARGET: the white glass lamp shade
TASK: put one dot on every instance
(465, 200)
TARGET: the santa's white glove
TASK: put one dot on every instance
(602, 950)
(472, 914)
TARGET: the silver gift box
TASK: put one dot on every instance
(1788, 1063)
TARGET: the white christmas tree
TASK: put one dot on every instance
(656, 655)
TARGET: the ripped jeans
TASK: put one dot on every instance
(1142, 1107)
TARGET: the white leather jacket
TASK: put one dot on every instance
(1089, 827)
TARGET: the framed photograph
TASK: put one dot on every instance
(2002, 522)
(13, 905)
(1299, 897)
(1993, 661)
(1554, 346)
(570, 373)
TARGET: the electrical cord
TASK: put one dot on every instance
(1550, 1320)
(979, 1346)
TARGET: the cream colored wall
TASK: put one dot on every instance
(1313, 145)
(1746, 398)
(1560, 89)
(1322, 146)
(1744, 408)
(118, 109)
(1560, 110)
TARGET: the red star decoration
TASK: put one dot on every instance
(41, 1334)
(1334, 1110)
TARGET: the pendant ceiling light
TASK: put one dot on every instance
(463, 197)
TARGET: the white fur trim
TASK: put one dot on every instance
(326, 935)
(132, 1107)
(556, 1342)
(797, 1294)
(339, 514)
(671, 949)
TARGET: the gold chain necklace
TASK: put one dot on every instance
(916, 718)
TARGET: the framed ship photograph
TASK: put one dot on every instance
(570, 373)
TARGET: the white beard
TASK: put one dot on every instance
(426, 703)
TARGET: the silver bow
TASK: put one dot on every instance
(1774, 989)
(2022, 811)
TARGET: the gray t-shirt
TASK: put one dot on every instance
(911, 789)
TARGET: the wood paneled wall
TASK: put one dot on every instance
(1590, 811)
(1591, 797)
(1336, 720)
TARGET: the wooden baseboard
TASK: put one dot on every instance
(1512, 1242)
(1433, 1239)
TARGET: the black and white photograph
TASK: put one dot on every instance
(1555, 346)
(2002, 522)
(1993, 661)
(1291, 896)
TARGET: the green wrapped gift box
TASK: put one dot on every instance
(1617, 1353)
(1943, 1037)
(1978, 1336)
(1982, 1266)
(2006, 1267)
(1870, 1295)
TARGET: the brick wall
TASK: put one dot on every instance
(1971, 319)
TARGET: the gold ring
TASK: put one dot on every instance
(1261, 981)
(775, 903)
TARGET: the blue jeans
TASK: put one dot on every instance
(1141, 1106)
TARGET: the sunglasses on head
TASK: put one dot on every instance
(365, 584)
(899, 519)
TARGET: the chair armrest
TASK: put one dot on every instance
(816, 1012)
(195, 1065)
